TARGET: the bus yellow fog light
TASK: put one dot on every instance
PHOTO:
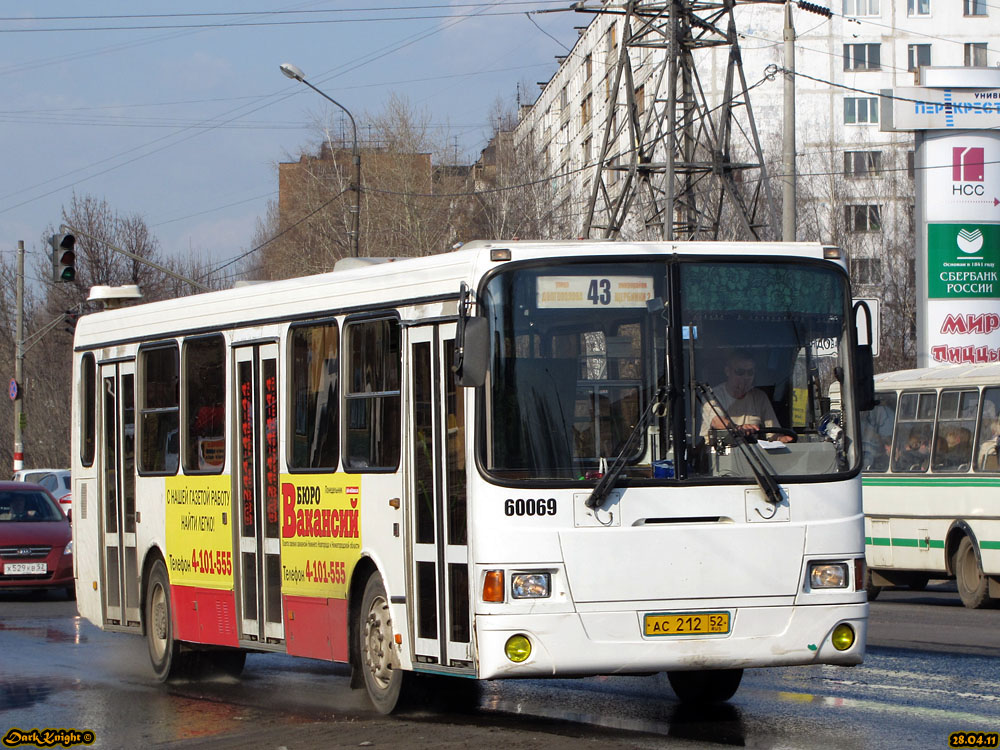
(517, 648)
(843, 637)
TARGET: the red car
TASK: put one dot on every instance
(36, 544)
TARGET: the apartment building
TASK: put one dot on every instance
(855, 185)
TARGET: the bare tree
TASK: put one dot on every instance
(47, 382)
(860, 198)
(513, 191)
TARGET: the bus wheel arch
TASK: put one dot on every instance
(959, 530)
(376, 656)
(153, 554)
(164, 650)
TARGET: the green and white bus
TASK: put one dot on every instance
(931, 480)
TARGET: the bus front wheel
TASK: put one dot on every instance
(707, 686)
(377, 649)
(164, 652)
(973, 586)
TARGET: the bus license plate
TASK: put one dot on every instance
(687, 623)
(24, 569)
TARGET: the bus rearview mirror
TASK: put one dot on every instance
(475, 353)
(864, 372)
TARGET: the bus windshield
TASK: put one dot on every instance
(676, 370)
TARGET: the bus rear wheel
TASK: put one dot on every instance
(377, 649)
(973, 586)
(164, 652)
(707, 686)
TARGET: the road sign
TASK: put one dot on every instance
(14, 390)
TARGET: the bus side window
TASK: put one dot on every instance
(988, 453)
(315, 393)
(88, 415)
(955, 430)
(876, 432)
(205, 404)
(914, 430)
(159, 411)
(373, 430)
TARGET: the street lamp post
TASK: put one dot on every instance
(296, 74)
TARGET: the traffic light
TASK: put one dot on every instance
(70, 319)
(63, 257)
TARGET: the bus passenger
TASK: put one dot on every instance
(749, 408)
(953, 449)
(914, 456)
(989, 448)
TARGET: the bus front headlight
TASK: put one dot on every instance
(828, 575)
(530, 585)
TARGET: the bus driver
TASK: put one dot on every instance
(749, 408)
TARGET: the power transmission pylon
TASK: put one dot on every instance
(679, 177)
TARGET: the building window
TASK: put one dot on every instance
(588, 150)
(975, 7)
(858, 8)
(862, 56)
(564, 98)
(586, 108)
(863, 218)
(917, 55)
(159, 410)
(373, 408)
(865, 270)
(640, 100)
(860, 109)
(975, 54)
(918, 7)
(204, 437)
(911, 168)
(862, 163)
(588, 67)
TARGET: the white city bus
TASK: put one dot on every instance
(931, 480)
(485, 464)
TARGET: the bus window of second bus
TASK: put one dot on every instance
(911, 449)
(955, 430)
(988, 452)
(876, 432)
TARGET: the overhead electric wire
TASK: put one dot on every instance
(255, 24)
(270, 100)
(301, 11)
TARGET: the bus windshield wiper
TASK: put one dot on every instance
(610, 478)
(761, 472)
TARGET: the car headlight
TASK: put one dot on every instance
(69, 548)
(828, 575)
(531, 585)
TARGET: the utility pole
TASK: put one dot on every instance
(666, 167)
(788, 133)
(15, 388)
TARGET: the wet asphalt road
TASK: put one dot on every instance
(932, 668)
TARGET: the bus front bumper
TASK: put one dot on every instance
(602, 643)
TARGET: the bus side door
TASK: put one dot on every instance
(438, 581)
(257, 495)
(119, 564)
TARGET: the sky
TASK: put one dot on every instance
(177, 111)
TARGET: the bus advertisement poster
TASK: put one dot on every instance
(320, 533)
(199, 537)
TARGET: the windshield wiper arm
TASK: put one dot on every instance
(610, 478)
(765, 479)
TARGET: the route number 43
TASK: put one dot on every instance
(600, 291)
